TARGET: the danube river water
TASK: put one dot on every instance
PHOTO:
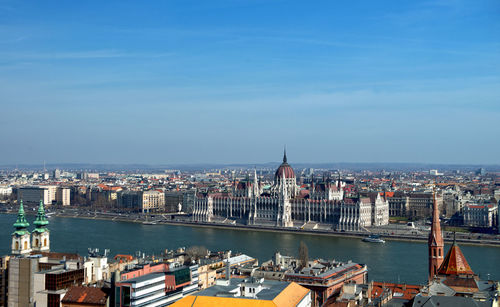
(391, 262)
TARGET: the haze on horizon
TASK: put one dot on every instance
(222, 81)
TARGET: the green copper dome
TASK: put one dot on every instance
(21, 223)
(41, 220)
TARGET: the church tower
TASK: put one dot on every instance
(436, 243)
(285, 220)
(21, 237)
(41, 236)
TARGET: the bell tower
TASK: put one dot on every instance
(21, 236)
(436, 243)
(41, 235)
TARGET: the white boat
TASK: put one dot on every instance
(149, 223)
(373, 239)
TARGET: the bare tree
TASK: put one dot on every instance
(303, 255)
(195, 253)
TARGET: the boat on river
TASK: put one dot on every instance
(373, 239)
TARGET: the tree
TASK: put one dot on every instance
(303, 254)
(195, 253)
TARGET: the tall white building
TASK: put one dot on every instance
(5, 191)
(380, 213)
(63, 196)
(152, 201)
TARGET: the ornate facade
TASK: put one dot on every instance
(21, 236)
(286, 206)
(40, 238)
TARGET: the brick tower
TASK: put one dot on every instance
(436, 244)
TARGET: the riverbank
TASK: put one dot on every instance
(393, 261)
(263, 228)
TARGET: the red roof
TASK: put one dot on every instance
(85, 295)
(455, 263)
(124, 257)
(108, 188)
(401, 291)
(284, 169)
(387, 194)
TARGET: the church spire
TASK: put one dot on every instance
(256, 187)
(21, 223)
(284, 155)
(436, 243)
(455, 263)
(41, 220)
(21, 237)
(41, 235)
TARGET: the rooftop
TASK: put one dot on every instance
(85, 295)
(144, 277)
(273, 293)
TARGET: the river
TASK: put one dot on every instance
(391, 262)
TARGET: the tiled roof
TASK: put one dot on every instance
(284, 170)
(455, 263)
(399, 291)
(85, 295)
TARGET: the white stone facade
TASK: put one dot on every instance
(21, 244)
(152, 201)
(479, 215)
(40, 241)
(283, 207)
(380, 214)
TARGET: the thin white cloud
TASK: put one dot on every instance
(79, 55)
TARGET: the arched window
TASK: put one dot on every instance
(45, 242)
(17, 245)
(25, 244)
(36, 242)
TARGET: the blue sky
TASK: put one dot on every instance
(233, 81)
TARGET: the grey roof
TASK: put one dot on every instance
(317, 270)
(438, 288)
(143, 278)
(270, 290)
(444, 301)
(397, 302)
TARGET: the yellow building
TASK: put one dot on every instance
(207, 275)
(153, 201)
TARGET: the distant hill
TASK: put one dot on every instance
(387, 166)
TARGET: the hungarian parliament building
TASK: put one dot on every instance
(285, 205)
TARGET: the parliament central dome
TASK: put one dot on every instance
(284, 170)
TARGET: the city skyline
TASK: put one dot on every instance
(233, 81)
